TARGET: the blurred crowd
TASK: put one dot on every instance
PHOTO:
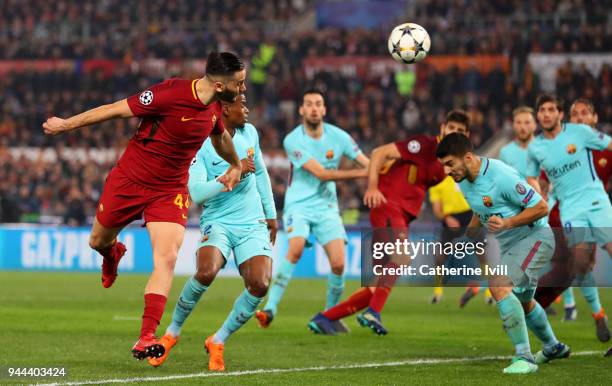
(374, 109)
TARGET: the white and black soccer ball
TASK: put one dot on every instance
(409, 43)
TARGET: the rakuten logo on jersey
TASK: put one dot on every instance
(561, 171)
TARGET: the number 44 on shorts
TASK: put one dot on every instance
(180, 201)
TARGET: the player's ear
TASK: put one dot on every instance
(324, 110)
(595, 118)
(561, 115)
(219, 86)
(301, 111)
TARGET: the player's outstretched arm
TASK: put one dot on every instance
(225, 148)
(316, 169)
(119, 109)
(200, 188)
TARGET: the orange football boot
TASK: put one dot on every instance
(215, 350)
(264, 318)
(168, 341)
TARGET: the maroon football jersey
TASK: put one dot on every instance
(404, 182)
(173, 127)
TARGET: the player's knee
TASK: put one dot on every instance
(97, 242)
(337, 267)
(258, 286)
(294, 256)
(206, 275)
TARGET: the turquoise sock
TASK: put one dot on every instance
(335, 287)
(537, 321)
(568, 298)
(281, 281)
(513, 318)
(192, 292)
(591, 294)
(244, 308)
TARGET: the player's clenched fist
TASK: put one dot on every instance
(373, 198)
(496, 224)
(55, 125)
(230, 178)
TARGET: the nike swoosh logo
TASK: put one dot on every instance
(184, 217)
(217, 163)
(183, 119)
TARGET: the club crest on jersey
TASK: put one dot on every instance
(146, 98)
(414, 146)
(520, 188)
(487, 201)
(250, 152)
(329, 154)
(603, 162)
(571, 148)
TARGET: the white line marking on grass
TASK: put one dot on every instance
(406, 362)
(130, 318)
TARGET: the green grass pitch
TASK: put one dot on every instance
(69, 320)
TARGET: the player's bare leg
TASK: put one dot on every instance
(166, 239)
(256, 273)
(104, 240)
(209, 262)
(281, 281)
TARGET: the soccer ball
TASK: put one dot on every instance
(409, 43)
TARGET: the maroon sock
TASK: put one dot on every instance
(153, 311)
(357, 301)
(383, 289)
(107, 252)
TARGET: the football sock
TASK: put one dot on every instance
(244, 308)
(568, 298)
(281, 281)
(383, 289)
(513, 318)
(192, 292)
(438, 291)
(107, 252)
(153, 311)
(591, 295)
(537, 322)
(357, 301)
(335, 287)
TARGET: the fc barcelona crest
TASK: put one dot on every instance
(571, 148)
(329, 154)
(487, 201)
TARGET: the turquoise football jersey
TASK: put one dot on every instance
(568, 163)
(305, 190)
(499, 190)
(251, 200)
(514, 155)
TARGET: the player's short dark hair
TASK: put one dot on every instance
(545, 98)
(313, 91)
(454, 144)
(585, 101)
(459, 116)
(223, 63)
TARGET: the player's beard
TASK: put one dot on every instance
(227, 95)
(312, 125)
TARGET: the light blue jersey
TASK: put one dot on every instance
(250, 201)
(307, 192)
(516, 156)
(568, 163)
(499, 190)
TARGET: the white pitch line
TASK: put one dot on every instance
(406, 362)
